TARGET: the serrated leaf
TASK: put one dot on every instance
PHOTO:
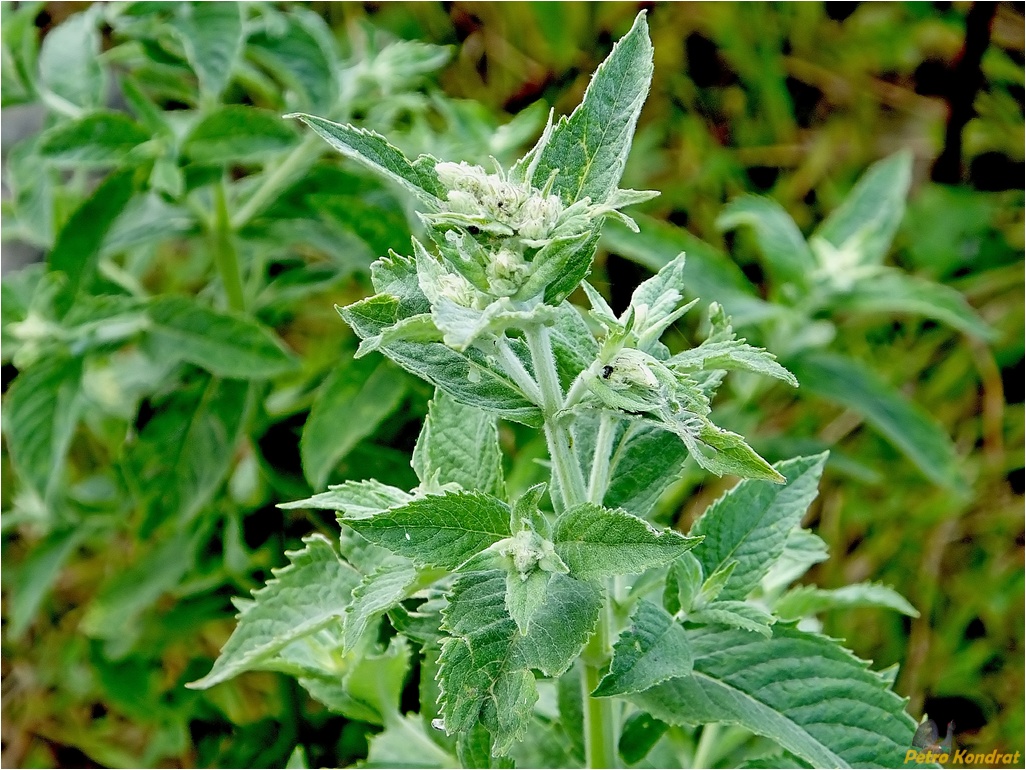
(374, 151)
(810, 600)
(225, 343)
(892, 291)
(459, 444)
(355, 498)
(577, 267)
(377, 593)
(102, 138)
(238, 134)
(597, 542)
(788, 257)
(308, 594)
(76, 250)
(732, 355)
(438, 530)
(861, 229)
(804, 691)
(468, 376)
(906, 425)
(212, 35)
(355, 398)
(69, 61)
(41, 410)
(750, 524)
(655, 648)
(722, 452)
(589, 149)
(734, 614)
(485, 663)
(553, 261)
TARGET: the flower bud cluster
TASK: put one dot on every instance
(525, 211)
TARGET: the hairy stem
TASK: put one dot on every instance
(225, 256)
(601, 723)
(598, 482)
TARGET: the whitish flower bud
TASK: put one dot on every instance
(455, 287)
(632, 368)
(460, 176)
(506, 271)
(538, 216)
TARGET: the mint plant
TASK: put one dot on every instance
(553, 624)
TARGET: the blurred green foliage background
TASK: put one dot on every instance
(103, 626)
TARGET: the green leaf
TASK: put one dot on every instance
(804, 691)
(655, 648)
(238, 134)
(788, 257)
(185, 451)
(301, 53)
(99, 139)
(77, 248)
(370, 687)
(308, 594)
(646, 460)
(41, 410)
(588, 150)
(459, 444)
(227, 344)
(438, 530)
(404, 743)
(354, 498)
(525, 594)
(69, 62)
(641, 731)
(802, 601)
(374, 151)
(751, 523)
(721, 452)
(36, 575)
(485, 665)
(734, 614)
(114, 613)
(733, 355)
(212, 35)
(906, 425)
(860, 230)
(468, 376)
(377, 593)
(894, 292)
(352, 402)
(802, 549)
(597, 542)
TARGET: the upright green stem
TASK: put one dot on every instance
(224, 250)
(599, 479)
(601, 726)
(273, 184)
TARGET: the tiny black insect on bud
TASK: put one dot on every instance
(474, 230)
(607, 370)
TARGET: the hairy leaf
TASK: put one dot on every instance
(654, 649)
(308, 594)
(589, 149)
(438, 530)
(804, 691)
(750, 524)
(459, 444)
(809, 600)
(597, 542)
(355, 498)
